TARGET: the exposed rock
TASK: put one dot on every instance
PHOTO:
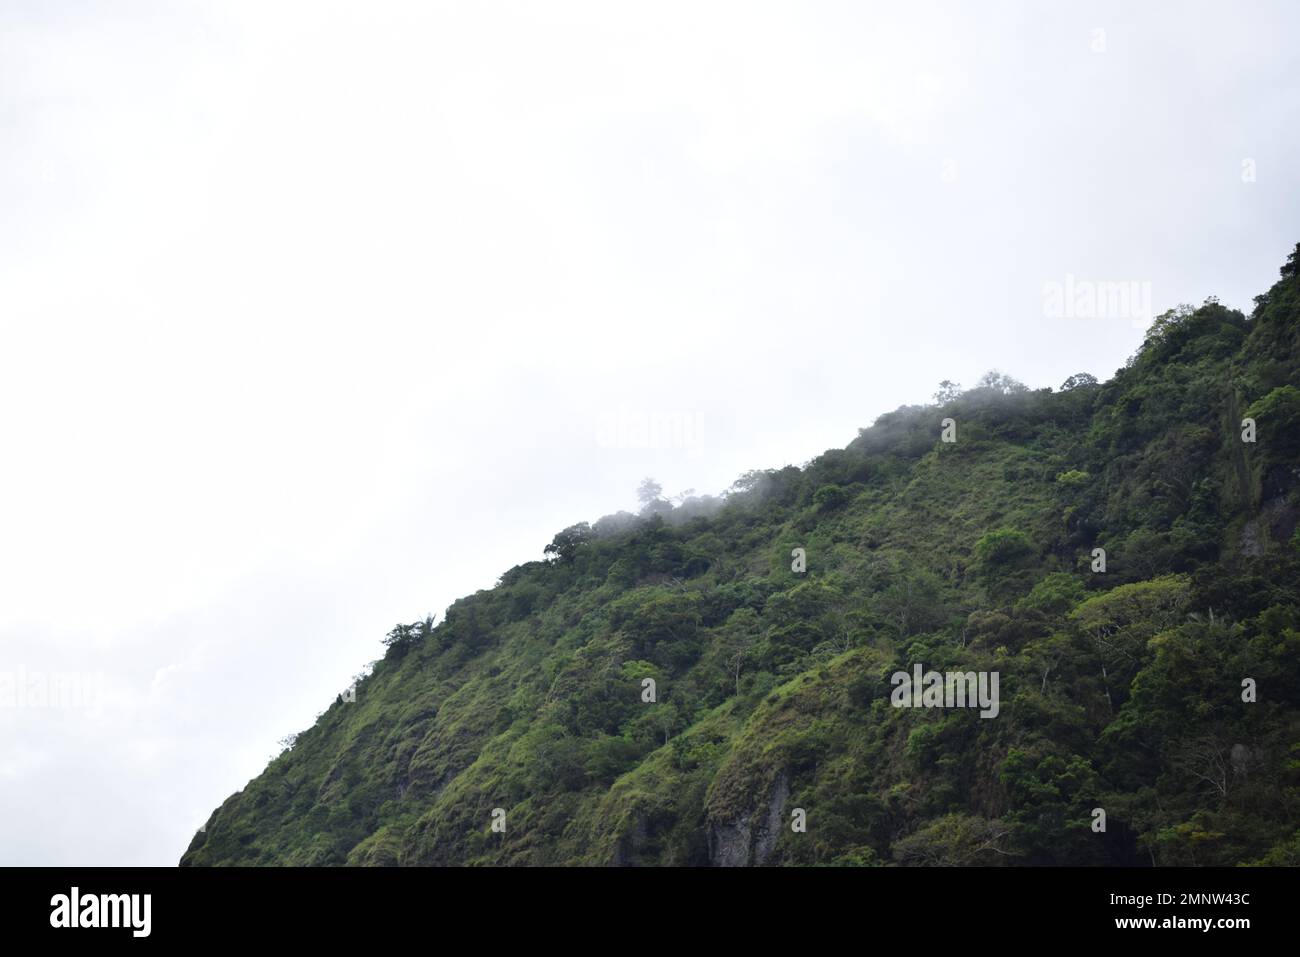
(1275, 522)
(751, 838)
(628, 849)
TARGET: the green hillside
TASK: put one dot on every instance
(1120, 690)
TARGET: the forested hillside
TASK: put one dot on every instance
(517, 730)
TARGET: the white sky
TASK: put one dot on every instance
(310, 314)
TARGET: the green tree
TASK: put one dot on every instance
(564, 546)
(830, 497)
(1003, 561)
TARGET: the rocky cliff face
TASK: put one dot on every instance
(750, 838)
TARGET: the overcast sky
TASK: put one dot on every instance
(315, 317)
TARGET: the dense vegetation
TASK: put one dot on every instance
(1120, 690)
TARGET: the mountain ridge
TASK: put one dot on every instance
(518, 730)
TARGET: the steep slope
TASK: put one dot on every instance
(1119, 690)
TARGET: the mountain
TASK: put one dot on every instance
(1159, 697)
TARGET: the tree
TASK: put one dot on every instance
(739, 638)
(564, 546)
(912, 601)
(649, 492)
(755, 480)
(807, 614)
(1292, 265)
(1080, 380)
(1056, 594)
(1278, 415)
(1000, 382)
(1049, 807)
(948, 392)
(666, 717)
(954, 840)
(403, 638)
(1120, 623)
(1003, 559)
(1072, 479)
(830, 497)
